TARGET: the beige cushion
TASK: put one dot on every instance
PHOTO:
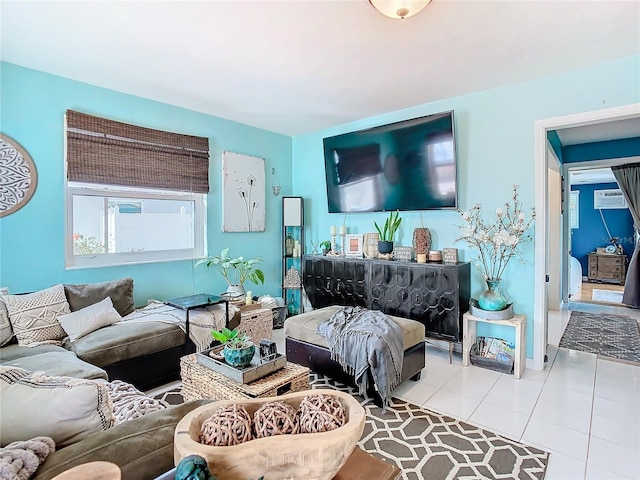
(34, 316)
(303, 327)
(89, 319)
(119, 291)
(63, 408)
(6, 332)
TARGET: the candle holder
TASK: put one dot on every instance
(333, 243)
(343, 246)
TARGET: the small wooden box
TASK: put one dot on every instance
(257, 324)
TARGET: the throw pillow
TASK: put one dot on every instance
(34, 316)
(6, 333)
(120, 292)
(89, 319)
(63, 408)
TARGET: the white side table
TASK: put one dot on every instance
(519, 322)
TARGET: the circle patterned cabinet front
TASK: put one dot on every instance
(18, 176)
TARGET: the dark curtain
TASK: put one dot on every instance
(628, 177)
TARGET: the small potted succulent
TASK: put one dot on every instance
(388, 232)
(325, 245)
(238, 348)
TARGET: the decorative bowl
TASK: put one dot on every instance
(308, 456)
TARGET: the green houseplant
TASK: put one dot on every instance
(238, 347)
(388, 232)
(236, 270)
(325, 245)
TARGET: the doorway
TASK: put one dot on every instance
(600, 234)
(597, 118)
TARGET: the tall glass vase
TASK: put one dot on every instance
(493, 298)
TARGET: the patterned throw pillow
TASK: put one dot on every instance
(34, 316)
(6, 333)
(63, 408)
(89, 319)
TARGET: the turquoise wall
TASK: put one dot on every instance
(495, 147)
(32, 239)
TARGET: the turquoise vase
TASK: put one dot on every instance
(239, 357)
(493, 298)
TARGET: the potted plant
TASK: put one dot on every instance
(235, 271)
(238, 347)
(388, 232)
(325, 245)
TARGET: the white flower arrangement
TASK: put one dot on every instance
(497, 242)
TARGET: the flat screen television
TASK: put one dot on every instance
(407, 165)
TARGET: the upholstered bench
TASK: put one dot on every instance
(305, 347)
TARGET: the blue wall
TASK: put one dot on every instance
(32, 239)
(592, 233)
(495, 147)
(628, 147)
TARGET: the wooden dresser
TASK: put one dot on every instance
(607, 268)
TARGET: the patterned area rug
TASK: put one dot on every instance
(426, 445)
(613, 336)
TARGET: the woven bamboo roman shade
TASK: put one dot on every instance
(113, 153)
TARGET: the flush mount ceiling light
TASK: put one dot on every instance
(399, 9)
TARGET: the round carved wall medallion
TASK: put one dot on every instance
(18, 176)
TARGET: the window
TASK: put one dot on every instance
(134, 195)
(574, 209)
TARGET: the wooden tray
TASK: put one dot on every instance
(253, 372)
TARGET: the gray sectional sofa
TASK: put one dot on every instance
(144, 354)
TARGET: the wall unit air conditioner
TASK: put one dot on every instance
(612, 198)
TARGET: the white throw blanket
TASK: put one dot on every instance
(130, 403)
(19, 460)
(201, 320)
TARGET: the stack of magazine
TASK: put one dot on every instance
(493, 352)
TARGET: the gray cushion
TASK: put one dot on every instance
(62, 364)
(120, 292)
(303, 327)
(9, 352)
(142, 448)
(124, 340)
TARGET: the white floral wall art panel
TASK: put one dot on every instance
(243, 193)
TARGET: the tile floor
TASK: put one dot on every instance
(584, 411)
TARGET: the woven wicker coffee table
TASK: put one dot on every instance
(200, 382)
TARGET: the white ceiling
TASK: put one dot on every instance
(299, 66)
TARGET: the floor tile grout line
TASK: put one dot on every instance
(593, 399)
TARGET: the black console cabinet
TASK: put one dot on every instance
(434, 294)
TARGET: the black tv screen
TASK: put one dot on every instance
(408, 165)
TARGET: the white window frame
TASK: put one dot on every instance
(574, 209)
(128, 258)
